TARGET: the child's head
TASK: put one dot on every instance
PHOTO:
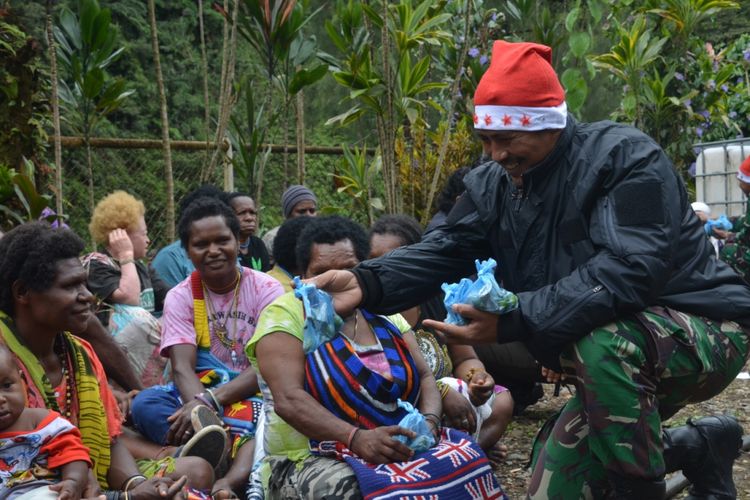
(12, 391)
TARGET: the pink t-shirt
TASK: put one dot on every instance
(257, 290)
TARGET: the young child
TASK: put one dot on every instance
(41, 454)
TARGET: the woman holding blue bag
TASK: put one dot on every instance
(335, 414)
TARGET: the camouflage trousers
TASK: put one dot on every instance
(313, 478)
(630, 375)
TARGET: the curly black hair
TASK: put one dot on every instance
(228, 197)
(202, 208)
(285, 243)
(404, 227)
(29, 254)
(330, 230)
(204, 191)
(454, 186)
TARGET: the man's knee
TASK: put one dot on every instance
(328, 478)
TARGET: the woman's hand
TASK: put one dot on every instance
(222, 490)
(92, 488)
(481, 386)
(120, 245)
(158, 488)
(378, 446)
(68, 489)
(458, 412)
(182, 428)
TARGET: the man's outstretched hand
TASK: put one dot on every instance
(343, 288)
(480, 329)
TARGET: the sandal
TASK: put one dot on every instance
(208, 443)
(202, 416)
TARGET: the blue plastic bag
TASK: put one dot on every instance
(484, 293)
(321, 321)
(721, 223)
(415, 421)
(455, 293)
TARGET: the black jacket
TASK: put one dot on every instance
(602, 228)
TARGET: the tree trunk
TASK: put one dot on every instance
(164, 121)
(204, 64)
(226, 100)
(285, 139)
(90, 168)
(55, 113)
(300, 137)
(449, 115)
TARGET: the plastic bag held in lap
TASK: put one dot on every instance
(321, 322)
(484, 294)
(415, 421)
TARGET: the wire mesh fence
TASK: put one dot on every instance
(138, 168)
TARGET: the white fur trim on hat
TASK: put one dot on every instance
(699, 206)
(488, 117)
(743, 177)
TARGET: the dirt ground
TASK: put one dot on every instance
(514, 476)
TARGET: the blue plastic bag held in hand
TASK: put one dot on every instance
(484, 294)
(321, 321)
(415, 421)
(721, 223)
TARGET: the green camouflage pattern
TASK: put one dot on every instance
(736, 252)
(630, 375)
(314, 477)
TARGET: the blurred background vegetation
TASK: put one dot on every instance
(389, 82)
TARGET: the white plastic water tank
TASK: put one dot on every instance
(716, 177)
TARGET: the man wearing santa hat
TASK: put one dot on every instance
(617, 285)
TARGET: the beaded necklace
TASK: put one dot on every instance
(67, 378)
(220, 328)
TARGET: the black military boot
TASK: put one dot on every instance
(705, 450)
(628, 488)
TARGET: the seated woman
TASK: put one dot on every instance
(43, 297)
(127, 292)
(253, 252)
(285, 260)
(342, 399)
(208, 319)
(471, 400)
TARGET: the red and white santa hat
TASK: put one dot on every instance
(743, 173)
(520, 90)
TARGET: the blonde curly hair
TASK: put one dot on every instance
(117, 210)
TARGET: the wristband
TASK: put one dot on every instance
(128, 482)
(437, 418)
(215, 401)
(202, 399)
(350, 439)
(111, 494)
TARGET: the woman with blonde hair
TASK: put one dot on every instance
(127, 291)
